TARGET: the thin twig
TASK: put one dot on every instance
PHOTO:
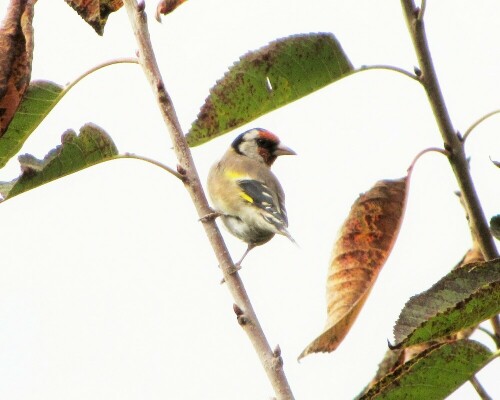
(151, 161)
(452, 141)
(479, 389)
(476, 123)
(388, 68)
(187, 169)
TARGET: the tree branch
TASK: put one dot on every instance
(271, 361)
(452, 142)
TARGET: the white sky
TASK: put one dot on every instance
(109, 287)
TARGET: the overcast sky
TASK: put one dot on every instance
(109, 287)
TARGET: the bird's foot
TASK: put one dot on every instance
(210, 216)
(231, 270)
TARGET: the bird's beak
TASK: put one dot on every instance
(283, 151)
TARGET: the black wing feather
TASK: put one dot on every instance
(263, 198)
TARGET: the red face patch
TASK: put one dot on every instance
(267, 156)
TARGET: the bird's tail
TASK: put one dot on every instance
(285, 232)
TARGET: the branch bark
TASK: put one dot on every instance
(271, 361)
(453, 143)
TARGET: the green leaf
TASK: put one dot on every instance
(463, 298)
(39, 99)
(266, 79)
(434, 373)
(495, 226)
(91, 147)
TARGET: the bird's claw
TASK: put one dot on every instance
(210, 216)
(231, 270)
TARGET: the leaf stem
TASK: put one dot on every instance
(127, 60)
(476, 123)
(452, 142)
(491, 335)
(388, 68)
(479, 389)
(151, 161)
(424, 151)
(271, 362)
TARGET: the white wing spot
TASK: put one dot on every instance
(268, 84)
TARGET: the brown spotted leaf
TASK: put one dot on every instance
(76, 152)
(433, 374)
(268, 78)
(95, 12)
(463, 298)
(396, 357)
(16, 53)
(39, 99)
(365, 242)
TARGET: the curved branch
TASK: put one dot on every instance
(271, 361)
(453, 144)
(476, 123)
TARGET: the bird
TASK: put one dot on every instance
(244, 191)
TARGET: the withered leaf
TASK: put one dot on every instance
(16, 53)
(95, 12)
(165, 7)
(364, 244)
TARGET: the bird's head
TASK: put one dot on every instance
(260, 145)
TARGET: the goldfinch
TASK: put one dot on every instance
(244, 191)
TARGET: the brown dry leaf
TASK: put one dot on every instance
(165, 7)
(394, 358)
(16, 53)
(95, 12)
(365, 242)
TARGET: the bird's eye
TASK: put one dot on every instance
(262, 142)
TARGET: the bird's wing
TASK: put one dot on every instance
(261, 196)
